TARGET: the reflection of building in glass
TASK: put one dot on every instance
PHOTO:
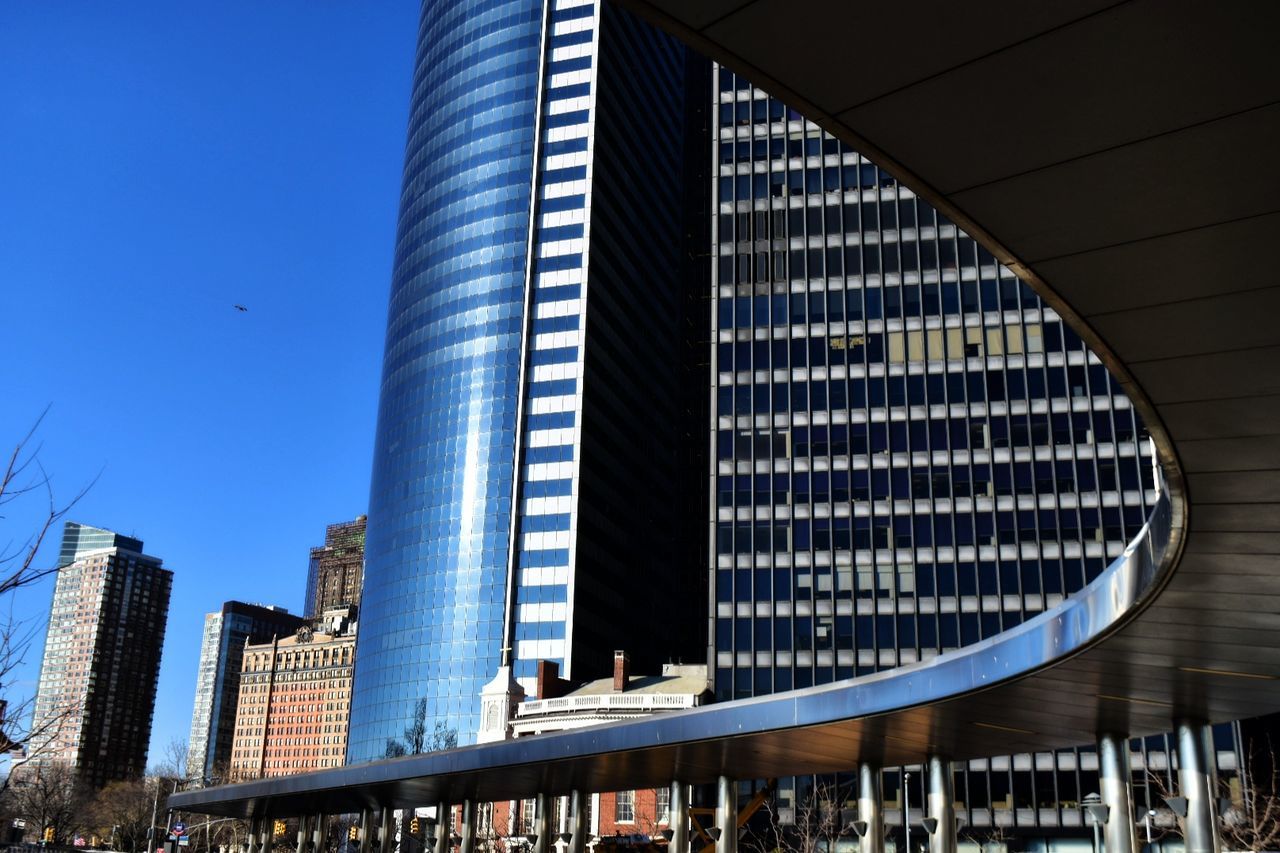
(101, 660)
(336, 570)
(218, 680)
(295, 696)
(529, 437)
(911, 452)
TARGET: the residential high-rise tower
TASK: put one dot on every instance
(213, 717)
(526, 481)
(97, 686)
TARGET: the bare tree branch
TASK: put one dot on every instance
(24, 476)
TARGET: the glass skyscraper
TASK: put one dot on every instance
(526, 484)
(910, 451)
(213, 714)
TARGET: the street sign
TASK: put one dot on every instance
(184, 841)
(179, 829)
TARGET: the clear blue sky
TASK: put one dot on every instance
(159, 163)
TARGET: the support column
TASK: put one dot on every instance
(577, 822)
(468, 844)
(319, 831)
(1198, 783)
(366, 831)
(941, 805)
(254, 844)
(727, 815)
(386, 830)
(302, 833)
(444, 827)
(542, 825)
(870, 809)
(679, 818)
(1115, 782)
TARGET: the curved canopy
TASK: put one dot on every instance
(1121, 157)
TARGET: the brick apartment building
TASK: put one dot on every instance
(295, 701)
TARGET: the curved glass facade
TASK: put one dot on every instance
(440, 502)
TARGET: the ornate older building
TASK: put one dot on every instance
(295, 695)
(335, 574)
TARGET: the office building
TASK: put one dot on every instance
(294, 699)
(336, 571)
(911, 452)
(97, 686)
(226, 632)
(526, 481)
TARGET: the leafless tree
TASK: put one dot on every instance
(416, 740)
(20, 567)
(494, 828)
(993, 837)
(1251, 821)
(815, 827)
(121, 812)
(172, 762)
(50, 798)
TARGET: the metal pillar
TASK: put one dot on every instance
(366, 831)
(942, 805)
(1198, 783)
(254, 840)
(319, 831)
(679, 824)
(444, 827)
(1115, 781)
(542, 820)
(302, 833)
(468, 844)
(870, 809)
(577, 822)
(727, 815)
(263, 836)
(386, 830)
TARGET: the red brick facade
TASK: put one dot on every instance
(295, 699)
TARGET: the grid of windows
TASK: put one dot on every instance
(547, 515)
(218, 680)
(910, 452)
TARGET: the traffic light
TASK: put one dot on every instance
(48, 834)
(414, 825)
(278, 828)
(353, 833)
